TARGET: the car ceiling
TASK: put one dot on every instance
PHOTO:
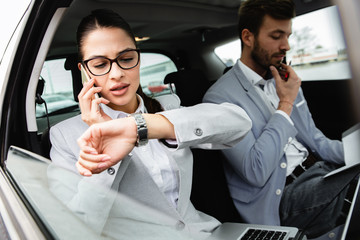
(164, 21)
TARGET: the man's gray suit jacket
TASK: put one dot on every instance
(256, 167)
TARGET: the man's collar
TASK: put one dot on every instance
(250, 74)
(253, 77)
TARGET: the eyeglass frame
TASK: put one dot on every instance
(85, 62)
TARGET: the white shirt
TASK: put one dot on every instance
(295, 152)
(163, 171)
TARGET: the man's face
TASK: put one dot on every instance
(271, 43)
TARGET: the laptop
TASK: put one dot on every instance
(244, 231)
(351, 143)
(240, 231)
(351, 229)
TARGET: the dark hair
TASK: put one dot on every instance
(104, 18)
(252, 13)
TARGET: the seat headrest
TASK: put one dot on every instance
(190, 84)
(71, 64)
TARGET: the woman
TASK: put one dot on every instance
(157, 173)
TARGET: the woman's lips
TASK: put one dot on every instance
(119, 90)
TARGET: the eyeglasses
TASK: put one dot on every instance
(99, 66)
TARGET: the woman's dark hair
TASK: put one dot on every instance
(252, 13)
(104, 18)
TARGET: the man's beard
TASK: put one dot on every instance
(262, 57)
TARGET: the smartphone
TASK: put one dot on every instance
(85, 78)
(283, 73)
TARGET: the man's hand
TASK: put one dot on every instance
(105, 144)
(286, 90)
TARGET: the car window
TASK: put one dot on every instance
(64, 200)
(153, 69)
(13, 13)
(318, 49)
(229, 52)
(57, 92)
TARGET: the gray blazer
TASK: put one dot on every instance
(256, 166)
(104, 211)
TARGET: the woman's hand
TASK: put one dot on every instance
(91, 111)
(105, 144)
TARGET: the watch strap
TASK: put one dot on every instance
(142, 131)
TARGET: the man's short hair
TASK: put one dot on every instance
(252, 13)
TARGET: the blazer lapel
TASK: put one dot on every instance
(120, 173)
(251, 92)
(134, 181)
(181, 162)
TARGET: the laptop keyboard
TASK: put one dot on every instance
(259, 234)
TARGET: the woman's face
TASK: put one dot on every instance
(118, 86)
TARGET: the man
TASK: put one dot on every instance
(283, 134)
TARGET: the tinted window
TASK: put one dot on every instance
(318, 50)
(153, 69)
(13, 12)
(229, 52)
(57, 92)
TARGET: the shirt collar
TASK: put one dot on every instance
(251, 75)
(114, 114)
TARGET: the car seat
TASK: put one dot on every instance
(190, 85)
(210, 193)
(71, 64)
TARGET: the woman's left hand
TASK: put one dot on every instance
(91, 111)
(104, 145)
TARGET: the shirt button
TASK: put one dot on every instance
(283, 165)
(111, 171)
(278, 192)
(290, 139)
(198, 132)
(332, 235)
(180, 225)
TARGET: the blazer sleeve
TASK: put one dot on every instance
(327, 149)
(209, 126)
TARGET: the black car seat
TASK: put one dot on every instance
(190, 85)
(71, 64)
(210, 193)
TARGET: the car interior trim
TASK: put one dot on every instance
(31, 91)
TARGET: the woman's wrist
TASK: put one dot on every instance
(159, 127)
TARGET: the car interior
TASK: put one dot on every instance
(185, 34)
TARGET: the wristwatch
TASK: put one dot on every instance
(142, 131)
